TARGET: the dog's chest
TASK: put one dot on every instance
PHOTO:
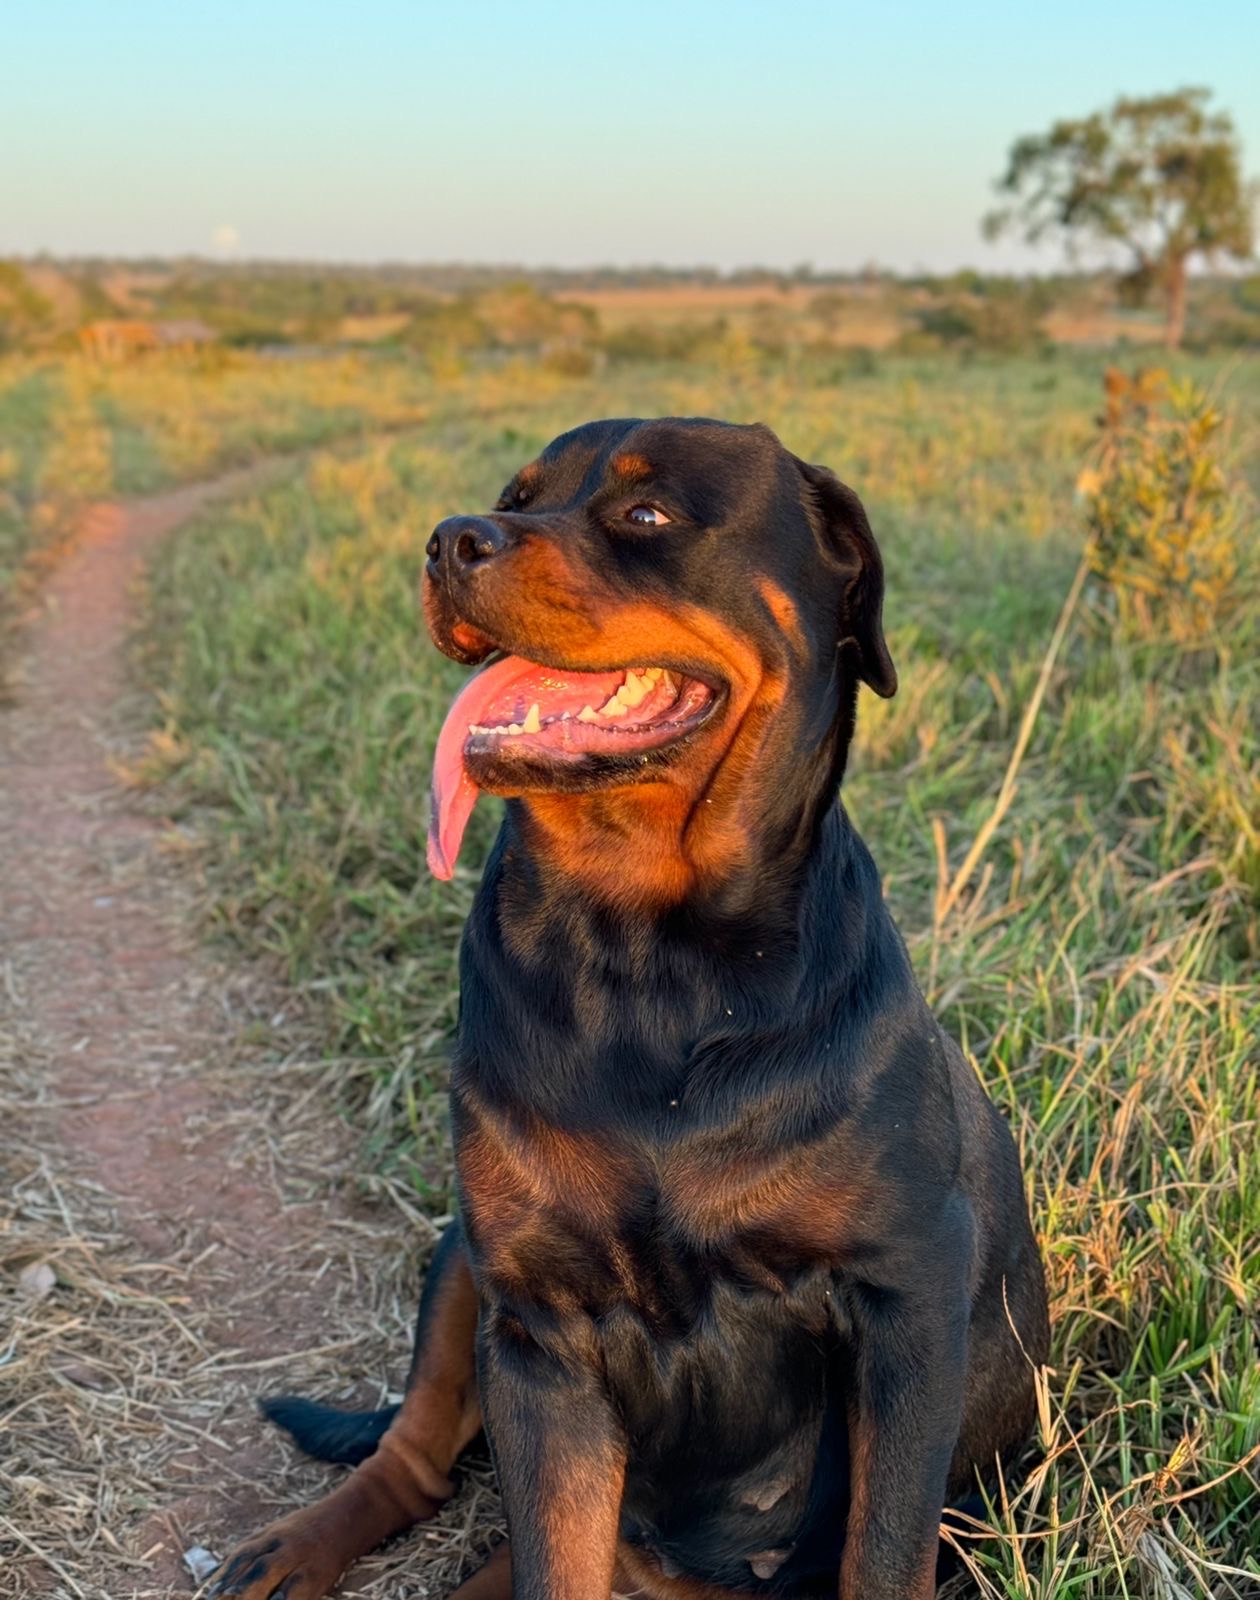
(594, 1220)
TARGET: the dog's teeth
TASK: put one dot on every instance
(632, 692)
(588, 714)
(515, 727)
(653, 674)
(614, 707)
(532, 722)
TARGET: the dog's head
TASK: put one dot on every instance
(676, 614)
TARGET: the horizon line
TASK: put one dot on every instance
(803, 272)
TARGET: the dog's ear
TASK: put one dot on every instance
(850, 545)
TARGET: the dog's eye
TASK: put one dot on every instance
(647, 516)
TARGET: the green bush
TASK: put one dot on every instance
(1163, 507)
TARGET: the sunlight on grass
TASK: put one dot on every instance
(73, 430)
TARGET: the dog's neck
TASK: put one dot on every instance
(569, 1002)
(732, 844)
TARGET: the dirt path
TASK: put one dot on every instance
(177, 1233)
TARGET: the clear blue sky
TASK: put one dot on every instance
(677, 131)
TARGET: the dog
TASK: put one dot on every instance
(743, 1289)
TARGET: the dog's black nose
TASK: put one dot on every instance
(463, 542)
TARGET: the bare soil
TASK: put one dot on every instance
(182, 1219)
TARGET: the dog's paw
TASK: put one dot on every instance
(291, 1560)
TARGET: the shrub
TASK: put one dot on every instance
(1162, 505)
(679, 341)
(24, 312)
(1005, 317)
(569, 359)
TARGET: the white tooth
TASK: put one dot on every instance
(532, 722)
(514, 727)
(653, 674)
(613, 708)
(586, 714)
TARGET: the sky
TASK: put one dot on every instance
(679, 132)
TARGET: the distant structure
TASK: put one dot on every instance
(110, 339)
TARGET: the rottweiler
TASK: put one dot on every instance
(743, 1289)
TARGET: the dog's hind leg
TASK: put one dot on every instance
(490, 1582)
(403, 1479)
(635, 1579)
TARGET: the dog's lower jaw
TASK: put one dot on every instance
(657, 843)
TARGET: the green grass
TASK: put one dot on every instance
(28, 395)
(73, 430)
(1101, 966)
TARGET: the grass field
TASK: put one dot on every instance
(73, 431)
(1101, 963)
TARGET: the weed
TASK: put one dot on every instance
(1164, 509)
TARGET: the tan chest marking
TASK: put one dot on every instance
(536, 1193)
(719, 1191)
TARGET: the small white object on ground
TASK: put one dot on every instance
(200, 1562)
(38, 1279)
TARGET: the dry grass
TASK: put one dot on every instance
(1102, 328)
(128, 1420)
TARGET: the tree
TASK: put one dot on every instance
(24, 312)
(1161, 178)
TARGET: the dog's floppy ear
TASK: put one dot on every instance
(850, 544)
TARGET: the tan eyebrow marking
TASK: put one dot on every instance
(631, 466)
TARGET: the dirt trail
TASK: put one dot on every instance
(168, 1155)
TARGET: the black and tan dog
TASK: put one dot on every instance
(744, 1267)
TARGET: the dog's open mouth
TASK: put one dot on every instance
(518, 714)
(574, 713)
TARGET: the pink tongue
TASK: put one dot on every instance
(454, 794)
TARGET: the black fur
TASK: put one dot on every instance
(325, 1432)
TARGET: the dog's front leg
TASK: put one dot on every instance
(905, 1409)
(405, 1480)
(559, 1453)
